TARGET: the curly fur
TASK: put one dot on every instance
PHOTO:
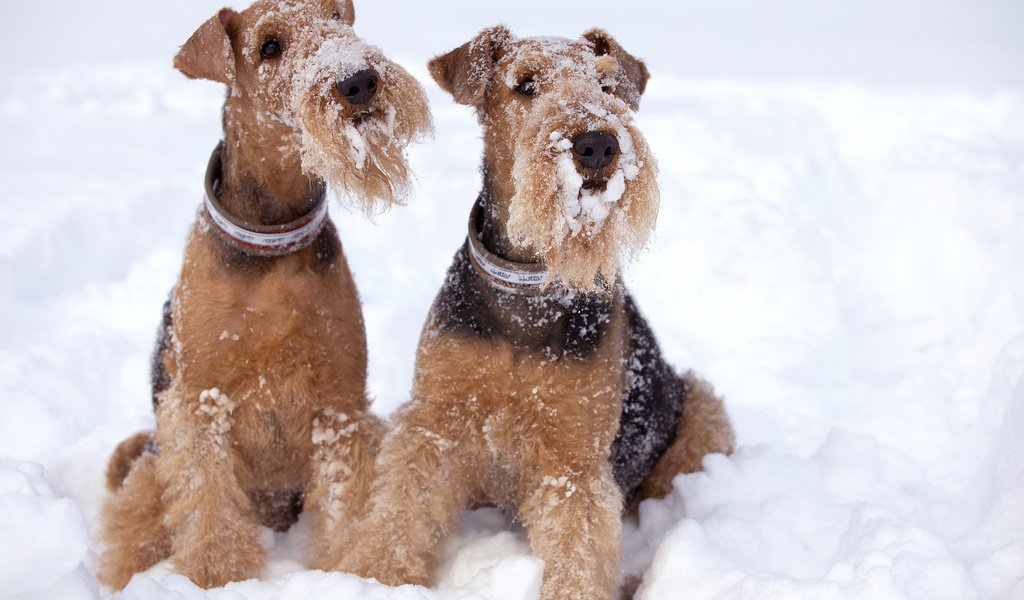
(548, 211)
(260, 372)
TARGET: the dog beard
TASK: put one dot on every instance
(361, 155)
(579, 233)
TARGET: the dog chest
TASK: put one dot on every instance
(517, 403)
(272, 436)
(281, 344)
(286, 319)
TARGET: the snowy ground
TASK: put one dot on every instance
(840, 251)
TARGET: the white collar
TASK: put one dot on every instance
(505, 275)
(260, 240)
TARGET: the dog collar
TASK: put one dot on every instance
(260, 240)
(505, 275)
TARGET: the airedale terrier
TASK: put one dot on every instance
(538, 386)
(259, 376)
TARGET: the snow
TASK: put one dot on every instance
(45, 538)
(838, 250)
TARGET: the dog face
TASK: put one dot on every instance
(304, 84)
(558, 126)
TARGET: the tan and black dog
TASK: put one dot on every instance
(539, 387)
(260, 372)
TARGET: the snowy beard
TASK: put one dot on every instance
(359, 151)
(577, 232)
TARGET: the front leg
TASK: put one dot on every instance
(573, 519)
(212, 521)
(421, 488)
(345, 448)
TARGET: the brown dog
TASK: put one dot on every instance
(539, 387)
(260, 371)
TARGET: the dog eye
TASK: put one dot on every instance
(527, 87)
(607, 89)
(270, 48)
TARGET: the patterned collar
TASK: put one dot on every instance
(505, 275)
(260, 240)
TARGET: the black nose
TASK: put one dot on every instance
(359, 88)
(596, 149)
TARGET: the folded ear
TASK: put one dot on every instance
(347, 11)
(465, 71)
(208, 53)
(631, 73)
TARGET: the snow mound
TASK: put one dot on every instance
(43, 538)
(842, 523)
(510, 578)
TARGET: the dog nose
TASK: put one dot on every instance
(359, 88)
(596, 149)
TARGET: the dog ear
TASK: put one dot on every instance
(465, 71)
(631, 75)
(347, 11)
(208, 53)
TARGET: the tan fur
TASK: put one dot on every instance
(465, 72)
(133, 526)
(379, 178)
(497, 416)
(581, 260)
(299, 361)
(267, 401)
(630, 75)
(298, 364)
(704, 429)
(576, 260)
(268, 97)
(491, 425)
(124, 456)
(523, 161)
(207, 54)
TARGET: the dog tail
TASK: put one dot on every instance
(124, 457)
